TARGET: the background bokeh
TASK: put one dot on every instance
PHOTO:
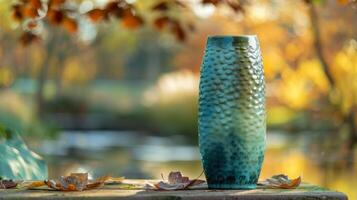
(108, 99)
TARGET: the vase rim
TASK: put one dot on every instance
(242, 38)
(233, 36)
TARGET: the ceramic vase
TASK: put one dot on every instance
(232, 118)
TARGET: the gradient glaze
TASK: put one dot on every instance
(232, 118)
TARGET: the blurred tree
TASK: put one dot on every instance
(300, 65)
(349, 115)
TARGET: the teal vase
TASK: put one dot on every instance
(232, 118)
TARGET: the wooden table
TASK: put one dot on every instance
(303, 192)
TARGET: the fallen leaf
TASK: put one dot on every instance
(34, 184)
(176, 182)
(7, 184)
(114, 180)
(281, 181)
(75, 182)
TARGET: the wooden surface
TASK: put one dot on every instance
(304, 192)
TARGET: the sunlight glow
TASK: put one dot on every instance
(171, 86)
(203, 11)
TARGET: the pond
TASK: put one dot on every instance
(139, 155)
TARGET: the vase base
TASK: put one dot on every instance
(232, 186)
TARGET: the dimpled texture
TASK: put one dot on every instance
(232, 118)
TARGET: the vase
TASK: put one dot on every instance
(232, 118)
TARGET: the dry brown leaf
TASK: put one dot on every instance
(281, 181)
(114, 180)
(99, 182)
(35, 184)
(75, 182)
(7, 184)
(177, 182)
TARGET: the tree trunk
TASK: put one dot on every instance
(350, 119)
(43, 76)
(352, 140)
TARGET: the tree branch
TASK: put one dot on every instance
(317, 43)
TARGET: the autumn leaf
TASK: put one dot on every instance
(96, 14)
(55, 16)
(118, 12)
(70, 25)
(281, 181)
(34, 184)
(56, 3)
(7, 184)
(75, 182)
(214, 2)
(17, 12)
(35, 3)
(130, 20)
(178, 31)
(235, 6)
(161, 22)
(161, 6)
(111, 6)
(28, 37)
(29, 11)
(176, 182)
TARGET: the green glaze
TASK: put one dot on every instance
(232, 115)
